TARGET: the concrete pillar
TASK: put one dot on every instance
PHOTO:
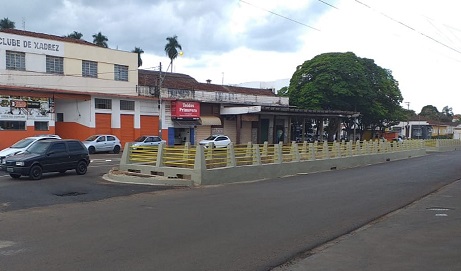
(160, 152)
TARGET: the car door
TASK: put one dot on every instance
(110, 143)
(221, 141)
(101, 144)
(57, 158)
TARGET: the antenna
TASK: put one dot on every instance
(23, 23)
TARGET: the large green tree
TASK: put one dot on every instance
(5, 23)
(139, 51)
(100, 40)
(343, 81)
(171, 49)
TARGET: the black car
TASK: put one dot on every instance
(49, 155)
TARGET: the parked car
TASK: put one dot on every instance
(49, 155)
(20, 146)
(148, 141)
(102, 143)
(217, 141)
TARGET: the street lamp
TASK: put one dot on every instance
(407, 130)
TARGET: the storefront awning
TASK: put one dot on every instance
(210, 120)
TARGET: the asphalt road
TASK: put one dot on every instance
(57, 188)
(252, 226)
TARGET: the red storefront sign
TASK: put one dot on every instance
(185, 110)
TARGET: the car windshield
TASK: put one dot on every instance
(210, 137)
(92, 138)
(39, 147)
(140, 139)
(22, 143)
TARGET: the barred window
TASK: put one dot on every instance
(102, 103)
(15, 61)
(54, 64)
(41, 125)
(89, 69)
(120, 73)
(126, 105)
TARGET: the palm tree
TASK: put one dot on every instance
(170, 49)
(5, 23)
(100, 40)
(139, 51)
(75, 35)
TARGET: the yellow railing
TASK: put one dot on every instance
(253, 154)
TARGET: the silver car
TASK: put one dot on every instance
(102, 143)
(148, 141)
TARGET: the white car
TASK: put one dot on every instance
(216, 141)
(102, 143)
(21, 146)
(148, 141)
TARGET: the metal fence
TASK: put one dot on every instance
(258, 154)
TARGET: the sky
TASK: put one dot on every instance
(234, 41)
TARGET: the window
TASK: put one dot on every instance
(75, 146)
(102, 103)
(41, 125)
(15, 61)
(58, 147)
(12, 125)
(59, 117)
(120, 73)
(110, 138)
(89, 69)
(54, 65)
(126, 105)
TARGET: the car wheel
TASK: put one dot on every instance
(116, 149)
(15, 175)
(36, 172)
(81, 168)
(91, 150)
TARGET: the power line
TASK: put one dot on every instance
(409, 27)
(287, 18)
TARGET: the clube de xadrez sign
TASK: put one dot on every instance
(31, 45)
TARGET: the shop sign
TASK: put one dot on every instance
(185, 110)
(21, 108)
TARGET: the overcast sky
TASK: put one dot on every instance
(234, 41)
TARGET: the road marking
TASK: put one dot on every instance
(5, 244)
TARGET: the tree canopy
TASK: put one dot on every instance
(139, 51)
(75, 35)
(343, 81)
(5, 23)
(100, 40)
(171, 49)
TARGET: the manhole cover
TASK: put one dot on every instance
(70, 194)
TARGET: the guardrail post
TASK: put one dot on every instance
(295, 152)
(278, 153)
(160, 152)
(125, 159)
(325, 150)
(231, 162)
(200, 161)
(349, 148)
(256, 155)
(312, 150)
(186, 150)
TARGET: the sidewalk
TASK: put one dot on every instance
(424, 236)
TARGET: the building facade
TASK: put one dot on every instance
(73, 88)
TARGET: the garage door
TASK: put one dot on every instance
(127, 126)
(149, 125)
(103, 124)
